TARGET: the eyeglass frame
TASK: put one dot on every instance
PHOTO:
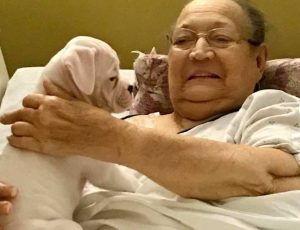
(205, 36)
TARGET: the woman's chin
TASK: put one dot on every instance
(201, 94)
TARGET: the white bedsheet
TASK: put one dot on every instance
(150, 212)
(154, 208)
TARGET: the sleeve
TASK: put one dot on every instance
(269, 118)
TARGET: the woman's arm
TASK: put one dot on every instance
(7, 194)
(205, 169)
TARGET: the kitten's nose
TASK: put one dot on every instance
(130, 88)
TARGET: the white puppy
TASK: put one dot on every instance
(50, 188)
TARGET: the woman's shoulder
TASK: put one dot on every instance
(268, 97)
(268, 118)
(272, 92)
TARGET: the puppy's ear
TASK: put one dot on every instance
(80, 62)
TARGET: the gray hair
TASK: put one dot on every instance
(257, 20)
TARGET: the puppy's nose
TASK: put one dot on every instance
(130, 88)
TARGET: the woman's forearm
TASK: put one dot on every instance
(201, 168)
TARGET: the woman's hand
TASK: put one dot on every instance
(7, 194)
(262, 171)
(282, 168)
(63, 127)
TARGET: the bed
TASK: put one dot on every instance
(278, 211)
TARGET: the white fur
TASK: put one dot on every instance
(50, 188)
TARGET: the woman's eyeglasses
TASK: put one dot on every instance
(184, 38)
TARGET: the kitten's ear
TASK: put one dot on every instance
(153, 52)
(138, 52)
(137, 64)
(80, 63)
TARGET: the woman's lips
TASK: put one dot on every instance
(203, 76)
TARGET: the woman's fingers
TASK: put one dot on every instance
(24, 114)
(32, 104)
(54, 90)
(280, 163)
(284, 169)
(33, 101)
(5, 207)
(21, 128)
(28, 143)
(288, 167)
(7, 191)
(286, 184)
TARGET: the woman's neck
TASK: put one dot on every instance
(173, 123)
(170, 123)
(183, 123)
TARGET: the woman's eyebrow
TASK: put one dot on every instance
(209, 25)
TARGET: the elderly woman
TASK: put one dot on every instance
(232, 142)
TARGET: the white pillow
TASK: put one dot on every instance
(21, 84)
(3, 76)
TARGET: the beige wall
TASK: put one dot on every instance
(34, 30)
(284, 26)
(31, 31)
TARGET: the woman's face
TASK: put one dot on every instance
(210, 78)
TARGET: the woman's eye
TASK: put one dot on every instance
(222, 39)
(183, 42)
(179, 41)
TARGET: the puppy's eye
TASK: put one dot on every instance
(113, 78)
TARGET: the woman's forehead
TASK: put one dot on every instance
(214, 12)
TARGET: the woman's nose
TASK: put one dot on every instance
(201, 50)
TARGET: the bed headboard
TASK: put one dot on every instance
(32, 31)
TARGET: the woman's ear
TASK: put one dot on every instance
(261, 57)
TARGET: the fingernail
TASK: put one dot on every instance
(14, 191)
(7, 208)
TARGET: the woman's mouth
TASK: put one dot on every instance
(203, 76)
